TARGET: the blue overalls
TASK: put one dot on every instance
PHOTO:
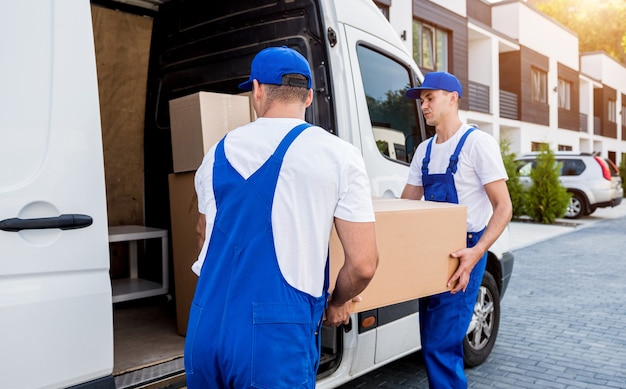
(445, 318)
(248, 328)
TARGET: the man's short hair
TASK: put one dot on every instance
(288, 92)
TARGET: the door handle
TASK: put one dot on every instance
(63, 222)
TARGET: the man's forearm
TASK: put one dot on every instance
(348, 286)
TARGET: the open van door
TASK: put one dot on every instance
(55, 291)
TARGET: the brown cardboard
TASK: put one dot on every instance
(200, 120)
(415, 239)
(253, 116)
(184, 218)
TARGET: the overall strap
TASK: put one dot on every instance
(426, 159)
(270, 171)
(220, 155)
(280, 151)
(454, 159)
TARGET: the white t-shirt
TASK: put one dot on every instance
(480, 162)
(321, 177)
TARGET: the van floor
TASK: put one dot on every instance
(145, 334)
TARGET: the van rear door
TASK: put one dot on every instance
(55, 292)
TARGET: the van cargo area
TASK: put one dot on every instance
(144, 60)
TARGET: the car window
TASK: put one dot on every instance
(572, 167)
(524, 168)
(394, 117)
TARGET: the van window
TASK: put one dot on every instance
(393, 117)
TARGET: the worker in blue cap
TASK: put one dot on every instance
(461, 165)
(268, 194)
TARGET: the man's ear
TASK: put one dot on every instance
(256, 89)
(309, 99)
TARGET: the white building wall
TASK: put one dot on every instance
(456, 6)
(536, 31)
(602, 67)
(481, 67)
(401, 18)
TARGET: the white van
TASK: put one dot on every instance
(56, 304)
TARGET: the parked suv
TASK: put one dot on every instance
(592, 181)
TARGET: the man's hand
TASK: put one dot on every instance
(338, 315)
(361, 259)
(468, 258)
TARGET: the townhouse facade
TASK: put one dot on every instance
(523, 75)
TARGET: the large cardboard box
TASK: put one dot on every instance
(184, 218)
(200, 120)
(415, 239)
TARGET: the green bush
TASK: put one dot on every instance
(547, 199)
(516, 190)
(622, 172)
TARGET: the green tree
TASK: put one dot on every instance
(547, 199)
(600, 24)
(516, 190)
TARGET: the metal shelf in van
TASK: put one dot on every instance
(133, 288)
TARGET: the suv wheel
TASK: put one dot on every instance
(483, 329)
(576, 207)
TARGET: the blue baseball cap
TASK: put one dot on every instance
(271, 65)
(437, 81)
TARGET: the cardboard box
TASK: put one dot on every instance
(184, 218)
(415, 239)
(200, 120)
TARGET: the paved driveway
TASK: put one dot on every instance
(563, 319)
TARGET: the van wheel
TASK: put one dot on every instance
(576, 207)
(483, 329)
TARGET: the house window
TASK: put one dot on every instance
(430, 47)
(565, 88)
(612, 111)
(539, 86)
(565, 148)
(538, 146)
(623, 113)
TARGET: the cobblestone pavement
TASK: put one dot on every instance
(563, 322)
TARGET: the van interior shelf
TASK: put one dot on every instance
(133, 287)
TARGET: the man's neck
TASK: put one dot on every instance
(279, 110)
(447, 130)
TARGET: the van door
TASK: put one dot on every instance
(390, 126)
(381, 74)
(55, 293)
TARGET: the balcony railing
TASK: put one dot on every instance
(597, 126)
(583, 122)
(508, 105)
(479, 97)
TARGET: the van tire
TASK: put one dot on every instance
(483, 330)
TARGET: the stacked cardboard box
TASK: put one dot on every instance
(200, 120)
(197, 122)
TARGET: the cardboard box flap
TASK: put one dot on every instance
(415, 239)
